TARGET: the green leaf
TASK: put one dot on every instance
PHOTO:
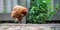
(48, 1)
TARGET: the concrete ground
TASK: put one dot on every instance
(14, 26)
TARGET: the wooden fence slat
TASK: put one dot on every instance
(8, 6)
(1, 6)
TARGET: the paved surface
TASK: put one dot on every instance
(11, 26)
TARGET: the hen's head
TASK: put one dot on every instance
(24, 11)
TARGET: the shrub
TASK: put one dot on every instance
(41, 11)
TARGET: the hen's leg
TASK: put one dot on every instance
(19, 20)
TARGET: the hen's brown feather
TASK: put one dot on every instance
(19, 12)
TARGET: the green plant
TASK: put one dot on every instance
(41, 11)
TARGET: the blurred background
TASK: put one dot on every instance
(51, 8)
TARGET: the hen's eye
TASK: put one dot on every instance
(24, 13)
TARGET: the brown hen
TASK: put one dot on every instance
(19, 12)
